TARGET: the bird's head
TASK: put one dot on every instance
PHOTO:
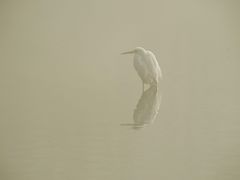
(137, 50)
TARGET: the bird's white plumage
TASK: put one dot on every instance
(146, 66)
(155, 66)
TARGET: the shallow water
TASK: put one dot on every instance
(66, 91)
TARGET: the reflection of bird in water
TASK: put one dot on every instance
(146, 66)
(147, 108)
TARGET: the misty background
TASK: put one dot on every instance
(65, 89)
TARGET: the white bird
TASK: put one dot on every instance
(146, 66)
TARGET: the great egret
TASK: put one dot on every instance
(146, 66)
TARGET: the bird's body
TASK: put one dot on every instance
(147, 66)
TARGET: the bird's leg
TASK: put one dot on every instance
(142, 87)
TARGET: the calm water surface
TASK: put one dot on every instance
(66, 91)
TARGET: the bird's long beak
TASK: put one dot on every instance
(128, 52)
